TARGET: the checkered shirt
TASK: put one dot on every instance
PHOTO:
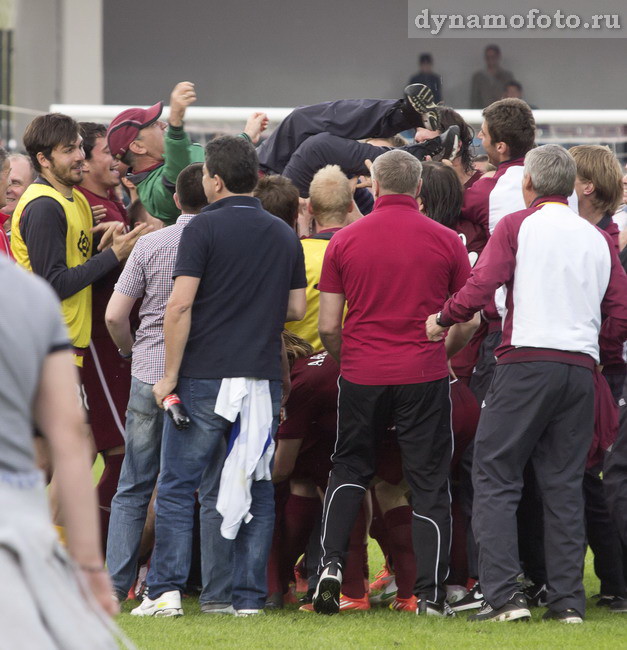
(148, 274)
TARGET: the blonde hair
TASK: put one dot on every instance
(599, 166)
(330, 195)
(296, 347)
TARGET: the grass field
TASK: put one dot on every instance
(378, 628)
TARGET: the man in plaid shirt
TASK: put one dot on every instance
(148, 275)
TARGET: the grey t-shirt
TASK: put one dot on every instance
(31, 327)
(487, 88)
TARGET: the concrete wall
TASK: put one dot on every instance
(281, 53)
(57, 55)
(36, 62)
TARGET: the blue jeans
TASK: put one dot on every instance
(254, 539)
(192, 459)
(144, 425)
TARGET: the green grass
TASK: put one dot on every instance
(378, 628)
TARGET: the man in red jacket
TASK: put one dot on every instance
(540, 403)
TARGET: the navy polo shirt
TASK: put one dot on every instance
(248, 261)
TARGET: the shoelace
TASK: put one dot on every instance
(447, 610)
(486, 607)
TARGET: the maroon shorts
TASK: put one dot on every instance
(465, 411)
(314, 464)
(107, 381)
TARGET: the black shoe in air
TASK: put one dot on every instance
(450, 144)
(419, 103)
(445, 146)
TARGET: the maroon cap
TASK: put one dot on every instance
(125, 127)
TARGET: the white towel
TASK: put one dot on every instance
(250, 449)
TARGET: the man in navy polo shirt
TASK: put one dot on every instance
(239, 276)
(390, 267)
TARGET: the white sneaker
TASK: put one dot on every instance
(455, 593)
(387, 595)
(168, 604)
(217, 608)
(248, 612)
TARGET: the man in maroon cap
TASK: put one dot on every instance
(156, 152)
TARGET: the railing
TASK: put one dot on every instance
(561, 126)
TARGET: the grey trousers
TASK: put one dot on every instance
(543, 412)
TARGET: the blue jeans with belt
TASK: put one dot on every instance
(192, 459)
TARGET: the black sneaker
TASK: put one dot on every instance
(326, 599)
(607, 601)
(419, 102)
(619, 606)
(431, 608)
(535, 595)
(451, 144)
(515, 609)
(472, 600)
(564, 616)
(441, 147)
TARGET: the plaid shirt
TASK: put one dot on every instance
(148, 274)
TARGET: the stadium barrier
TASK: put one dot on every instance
(568, 127)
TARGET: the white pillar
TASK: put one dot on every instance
(57, 55)
(81, 52)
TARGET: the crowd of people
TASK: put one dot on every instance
(283, 346)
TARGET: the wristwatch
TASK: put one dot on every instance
(437, 319)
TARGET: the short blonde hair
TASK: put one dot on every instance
(599, 166)
(330, 194)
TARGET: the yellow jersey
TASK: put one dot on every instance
(79, 243)
(313, 249)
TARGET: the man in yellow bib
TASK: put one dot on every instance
(52, 224)
(330, 205)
